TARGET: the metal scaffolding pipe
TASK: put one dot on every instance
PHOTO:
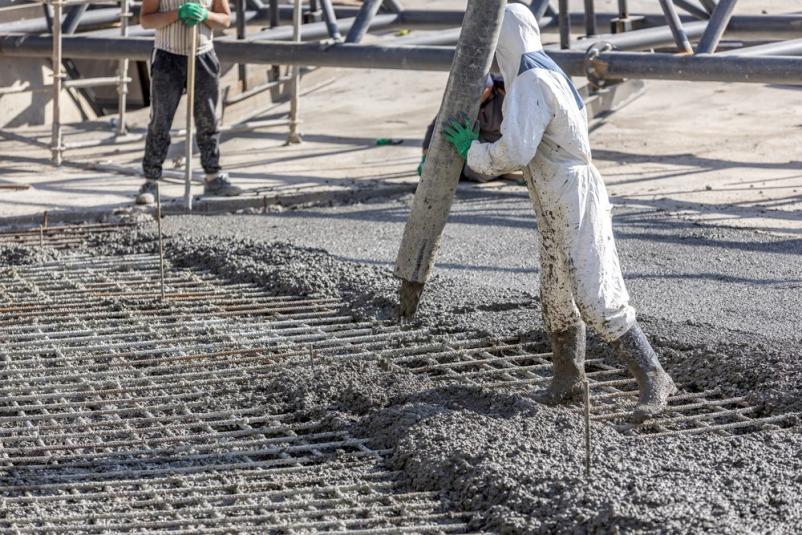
(564, 17)
(90, 20)
(646, 38)
(792, 47)
(394, 6)
(715, 29)
(242, 69)
(680, 37)
(73, 18)
(697, 12)
(330, 18)
(612, 65)
(363, 21)
(710, 5)
(590, 18)
(316, 30)
(539, 8)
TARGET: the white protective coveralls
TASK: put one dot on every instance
(545, 133)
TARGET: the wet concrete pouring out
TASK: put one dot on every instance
(273, 391)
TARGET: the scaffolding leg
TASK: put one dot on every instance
(122, 85)
(715, 28)
(295, 99)
(680, 37)
(565, 24)
(242, 68)
(590, 18)
(56, 146)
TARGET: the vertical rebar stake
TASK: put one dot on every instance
(587, 429)
(161, 241)
(41, 237)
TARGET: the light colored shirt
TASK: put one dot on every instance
(174, 38)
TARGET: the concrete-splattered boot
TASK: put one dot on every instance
(654, 384)
(569, 367)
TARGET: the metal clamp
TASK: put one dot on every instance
(595, 78)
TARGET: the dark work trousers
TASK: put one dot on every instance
(168, 76)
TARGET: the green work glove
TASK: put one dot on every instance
(191, 13)
(420, 165)
(461, 136)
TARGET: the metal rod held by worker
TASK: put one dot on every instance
(193, 49)
(56, 146)
(441, 172)
(587, 429)
(161, 240)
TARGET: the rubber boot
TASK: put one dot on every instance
(654, 384)
(569, 367)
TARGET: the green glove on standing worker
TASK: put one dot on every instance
(461, 136)
(191, 13)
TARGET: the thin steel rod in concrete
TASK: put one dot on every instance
(435, 192)
(193, 37)
(363, 20)
(587, 429)
(715, 30)
(680, 37)
(161, 237)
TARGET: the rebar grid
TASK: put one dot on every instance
(125, 412)
(515, 366)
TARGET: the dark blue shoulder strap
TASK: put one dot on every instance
(541, 60)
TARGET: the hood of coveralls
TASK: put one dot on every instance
(519, 34)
